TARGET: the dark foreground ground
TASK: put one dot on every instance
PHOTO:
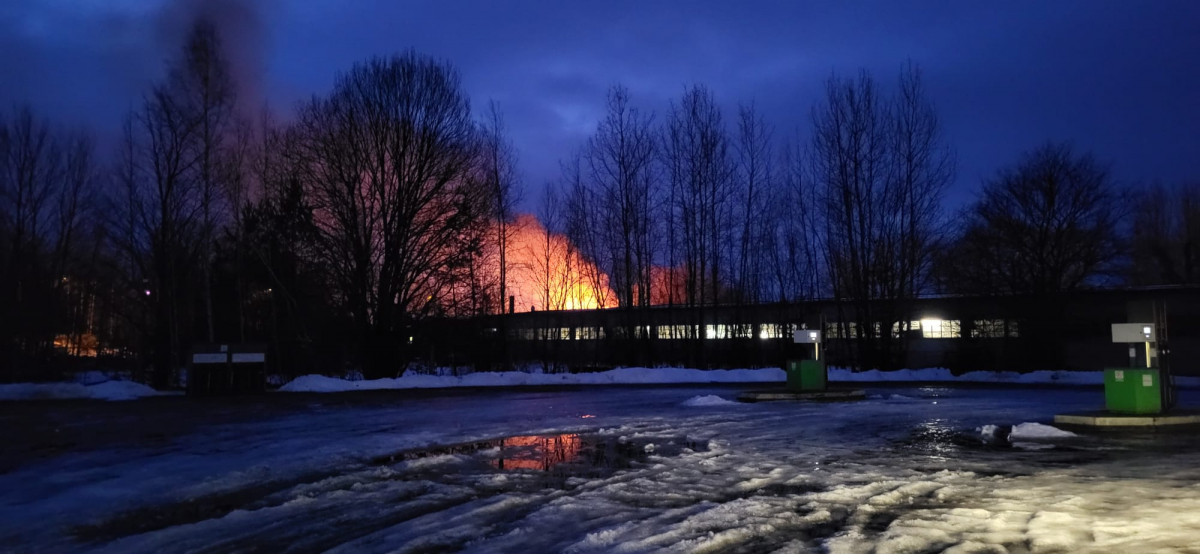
(590, 470)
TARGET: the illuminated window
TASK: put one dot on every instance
(901, 327)
(715, 332)
(565, 333)
(941, 328)
(833, 330)
(988, 329)
(677, 331)
(741, 331)
(770, 331)
(1013, 331)
(588, 333)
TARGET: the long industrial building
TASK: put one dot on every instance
(963, 333)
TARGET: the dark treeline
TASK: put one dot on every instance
(333, 235)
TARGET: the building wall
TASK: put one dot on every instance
(961, 333)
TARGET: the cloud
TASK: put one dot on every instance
(1118, 78)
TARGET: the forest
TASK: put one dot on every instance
(332, 231)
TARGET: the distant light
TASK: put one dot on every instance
(812, 335)
(933, 325)
(586, 416)
(147, 292)
(1147, 330)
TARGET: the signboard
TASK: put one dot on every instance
(807, 336)
(1133, 332)
(210, 358)
(249, 357)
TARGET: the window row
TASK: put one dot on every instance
(929, 329)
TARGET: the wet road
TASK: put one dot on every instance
(599, 469)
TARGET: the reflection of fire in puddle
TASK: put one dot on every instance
(537, 452)
(567, 454)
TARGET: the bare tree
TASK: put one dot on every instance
(158, 220)
(204, 88)
(756, 182)
(619, 161)
(700, 170)
(549, 255)
(882, 167)
(237, 169)
(849, 161)
(30, 168)
(388, 157)
(792, 231)
(1051, 223)
(583, 228)
(923, 166)
(500, 168)
(1165, 237)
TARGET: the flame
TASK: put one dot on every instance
(546, 272)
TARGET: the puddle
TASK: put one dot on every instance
(568, 454)
(540, 461)
(538, 453)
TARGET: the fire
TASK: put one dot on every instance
(547, 273)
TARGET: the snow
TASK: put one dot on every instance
(105, 390)
(1032, 430)
(293, 473)
(676, 375)
(708, 400)
(620, 376)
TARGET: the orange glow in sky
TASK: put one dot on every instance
(549, 274)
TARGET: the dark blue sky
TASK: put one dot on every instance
(1120, 78)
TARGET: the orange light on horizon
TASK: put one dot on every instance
(548, 273)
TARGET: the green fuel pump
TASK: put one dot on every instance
(810, 374)
(1146, 386)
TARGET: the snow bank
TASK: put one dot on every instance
(676, 375)
(621, 376)
(1038, 431)
(707, 401)
(1018, 434)
(107, 390)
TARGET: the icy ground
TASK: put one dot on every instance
(600, 470)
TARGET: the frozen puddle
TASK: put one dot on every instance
(458, 472)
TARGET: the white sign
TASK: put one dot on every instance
(1147, 380)
(209, 358)
(1133, 332)
(248, 357)
(806, 336)
(1119, 376)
